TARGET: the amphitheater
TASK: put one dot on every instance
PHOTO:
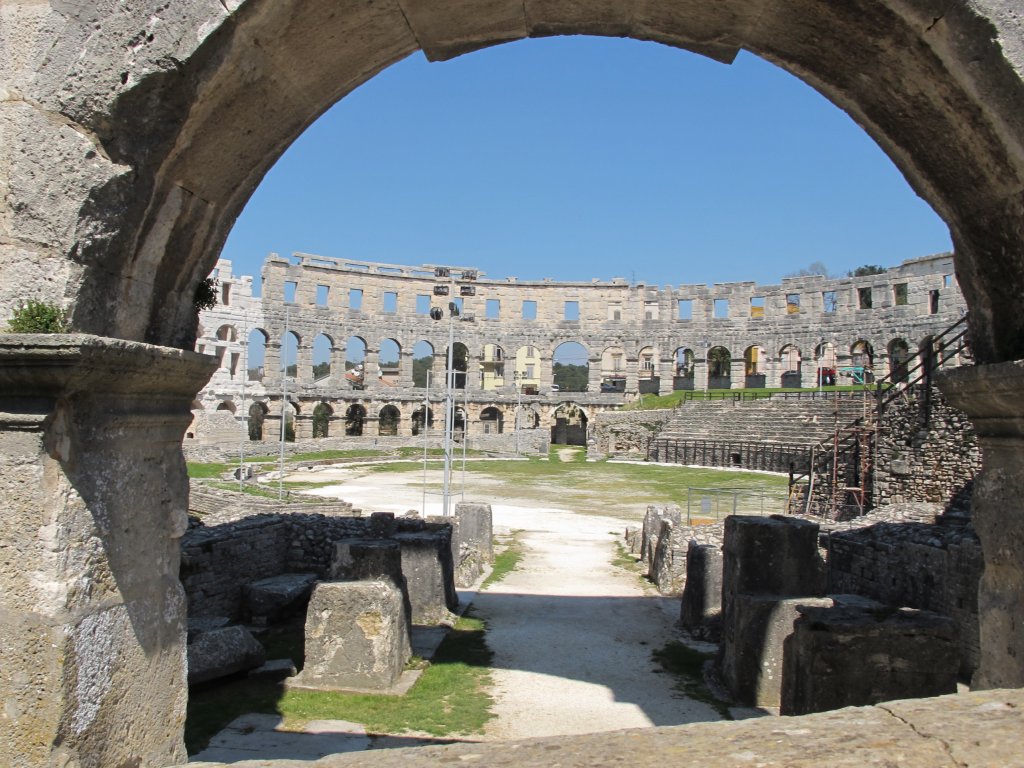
(133, 135)
(636, 339)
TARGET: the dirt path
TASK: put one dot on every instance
(573, 635)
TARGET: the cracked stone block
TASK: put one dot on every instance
(472, 541)
(270, 600)
(222, 652)
(429, 573)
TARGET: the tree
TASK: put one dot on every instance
(206, 294)
(420, 366)
(571, 378)
(867, 269)
(812, 269)
(321, 420)
(321, 369)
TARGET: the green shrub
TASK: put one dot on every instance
(39, 317)
(206, 294)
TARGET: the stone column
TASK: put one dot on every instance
(737, 373)
(700, 374)
(992, 396)
(304, 364)
(405, 359)
(272, 364)
(546, 373)
(94, 495)
(594, 374)
(632, 375)
(666, 372)
(371, 368)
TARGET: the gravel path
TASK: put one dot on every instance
(573, 635)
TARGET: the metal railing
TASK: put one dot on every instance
(770, 457)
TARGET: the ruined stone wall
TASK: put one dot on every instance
(624, 433)
(927, 451)
(932, 567)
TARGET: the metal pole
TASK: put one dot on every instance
(426, 422)
(284, 404)
(245, 415)
(449, 411)
(465, 441)
(519, 407)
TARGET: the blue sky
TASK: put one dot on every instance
(576, 158)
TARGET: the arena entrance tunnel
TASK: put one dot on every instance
(134, 135)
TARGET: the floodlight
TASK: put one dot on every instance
(467, 290)
(440, 290)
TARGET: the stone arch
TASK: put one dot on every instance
(227, 332)
(422, 363)
(570, 367)
(139, 226)
(355, 362)
(684, 358)
(719, 368)
(791, 363)
(460, 363)
(256, 354)
(355, 420)
(492, 419)
(257, 415)
(862, 362)
(323, 352)
(492, 367)
(570, 424)
(389, 360)
(322, 415)
(528, 368)
(613, 369)
(825, 358)
(754, 361)
(227, 405)
(197, 406)
(290, 344)
(899, 359)
(422, 417)
(389, 420)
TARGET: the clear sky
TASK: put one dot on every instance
(576, 158)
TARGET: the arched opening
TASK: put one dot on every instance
(256, 354)
(322, 420)
(719, 368)
(492, 368)
(459, 424)
(323, 348)
(570, 427)
(791, 363)
(422, 364)
(355, 418)
(355, 363)
(226, 405)
(290, 354)
(862, 362)
(899, 359)
(257, 415)
(460, 364)
(754, 362)
(227, 333)
(684, 360)
(613, 369)
(570, 368)
(492, 420)
(388, 420)
(422, 419)
(825, 355)
(389, 359)
(648, 380)
(527, 372)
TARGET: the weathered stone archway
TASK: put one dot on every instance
(133, 137)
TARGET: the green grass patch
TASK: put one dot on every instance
(451, 696)
(687, 666)
(203, 471)
(360, 453)
(505, 561)
(672, 400)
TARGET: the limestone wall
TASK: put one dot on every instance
(625, 433)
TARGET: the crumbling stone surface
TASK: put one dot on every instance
(773, 555)
(701, 605)
(430, 574)
(278, 597)
(222, 652)
(472, 541)
(357, 636)
(858, 655)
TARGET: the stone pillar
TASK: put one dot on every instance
(546, 373)
(304, 364)
(666, 372)
(632, 375)
(594, 374)
(737, 373)
(405, 359)
(371, 368)
(94, 495)
(272, 364)
(700, 374)
(472, 546)
(992, 396)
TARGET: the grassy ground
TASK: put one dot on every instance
(450, 698)
(687, 665)
(506, 560)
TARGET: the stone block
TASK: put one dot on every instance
(774, 555)
(857, 655)
(275, 598)
(223, 652)
(356, 636)
(652, 526)
(701, 608)
(372, 560)
(472, 541)
(429, 573)
(753, 645)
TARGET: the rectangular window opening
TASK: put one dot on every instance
(493, 309)
(650, 310)
(899, 294)
(423, 304)
(864, 297)
(933, 302)
(572, 310)
(721, 309)
(685, 309)
(225, 294)
(322, 292)
(290, 287)
(792, 303)
(355, 298)
(829, 302)
(757, 306)
(615, 311)
(529, 310)
(390, 302)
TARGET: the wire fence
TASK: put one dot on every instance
(704, 504)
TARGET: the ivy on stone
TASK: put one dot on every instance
(39, 317)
